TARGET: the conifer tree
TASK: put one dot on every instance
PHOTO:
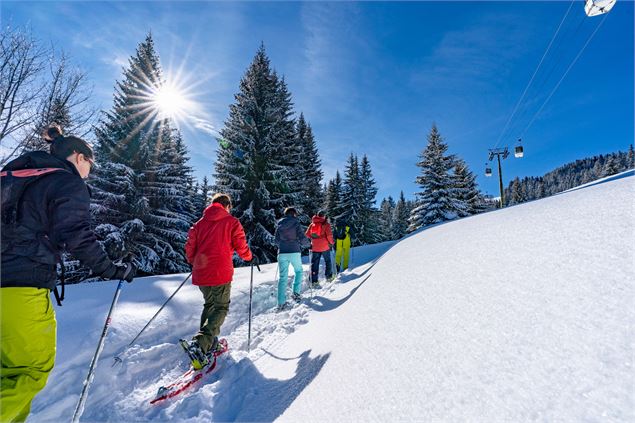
(333, 198)
(368, 217)
(610, 166)
(434, 202)
(142, 187)
(630, 161)
(311, 196)
(204, 196)
(386, 211)
(352, 198)
(252, 165)
(516, 193)
(401, 214)
(468, 198)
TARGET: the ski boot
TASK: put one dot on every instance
(316, 285)
(194, 352)
(296, 297)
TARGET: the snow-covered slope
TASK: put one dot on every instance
(520, 314)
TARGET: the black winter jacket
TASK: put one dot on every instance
(290, 236)
(54, 215)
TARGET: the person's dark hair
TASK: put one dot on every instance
(62, 147)
(223, 199)
(290, 211)
(321, 213)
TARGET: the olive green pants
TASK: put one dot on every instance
(214, 313)
(27, 342)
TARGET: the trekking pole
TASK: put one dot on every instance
(251, 291)
(117, 357)
(100, 346)
(311, 272)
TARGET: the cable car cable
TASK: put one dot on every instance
(534, 74)
(563, 76)
(563, 40)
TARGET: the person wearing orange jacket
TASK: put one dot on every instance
(321, 235)
(210, 247)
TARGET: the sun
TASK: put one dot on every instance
(170, 102)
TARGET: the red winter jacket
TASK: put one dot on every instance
(319, 231)
(210, 246)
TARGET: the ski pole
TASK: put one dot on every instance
(251, 291)
(117, 357)
(100, 346)
(333, 268)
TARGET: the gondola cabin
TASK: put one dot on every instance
(598, 7)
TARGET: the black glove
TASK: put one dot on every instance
(254, 260)
(125, 272)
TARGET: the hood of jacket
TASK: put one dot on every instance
(215, 211)
(39, 160)
(318, 220)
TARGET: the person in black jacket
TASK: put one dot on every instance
(45, 210)
(290, 239)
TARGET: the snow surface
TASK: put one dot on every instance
(520, 314)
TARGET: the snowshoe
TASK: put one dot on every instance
(283, 307)
(194, 352)
(296, 297)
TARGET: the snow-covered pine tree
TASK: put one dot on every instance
(141, 189)
(288, 150)
(610, 166)
(203, 196)
(386, 211)
(312, 197)
(251, 165)
(516, 193)
(469, 198)
(434, 202)
(401, 214)
(333, 198)
(630, 161)
(352, 198)
(368, 225)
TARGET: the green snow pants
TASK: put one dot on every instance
(342, 252)
(27, 341)
(214, 313)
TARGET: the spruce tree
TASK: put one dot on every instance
(386, 211)
(252, 165)
(401, 214)
(368, 222)
(434, 202)
(204, 196)
(333, 198)
(352, 198)
(469, 199)
(311, 195)
(516, 195)
(610, 166)
(141, 188)
(630, 161)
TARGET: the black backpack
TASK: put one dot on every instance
(14, 183)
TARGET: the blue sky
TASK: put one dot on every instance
(372, 77)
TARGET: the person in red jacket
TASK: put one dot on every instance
(321, 235)
(210, 247)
